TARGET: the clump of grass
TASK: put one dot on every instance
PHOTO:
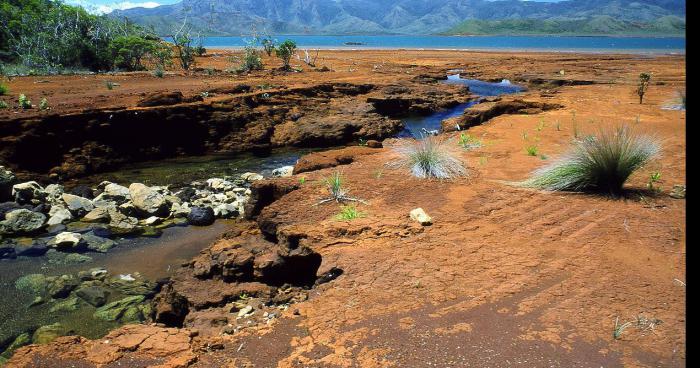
(3, 104)
(654, 178)
(110, 85)
(540, 126)
(430, 157)
(468, 142)
(602, 163)
(3, 89)
(620, 328)
(531, 150)
(24, 102)
(158, 72)
(337, 190)
(44, 104)
(348, 213)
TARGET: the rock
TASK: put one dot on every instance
(83, 191)
(116, 310)
(59, 215)
(54, 193)
(186, 194)
(148, 200)
(219, 184)
(7, 252)
(374, 144)
(678, 191)
(153, 220)
(35, 283)
(68, 305)
(61, 286)
(250, 177)
(421, 217)
(226, 210)
(283, 172)
(121, 224)
(201, 216)
(161, 99)
(93, 295)
(34, 250)
(245, 311)
(6, 207)
(19, 341)
(46, 334)
(29, 192)
(151, 232)
(23, 221)
(99, 214)
(115, 192)
(97, 243)
(78, 206)
(7, 180)
(180, 210)
(65, 240)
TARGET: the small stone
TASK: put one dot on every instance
(374, 144)
(421, 217)
(148, 199)
(283, 172)
(59, 215)
(93, 295)
(245, 311)
(201, 216)
(99, 214)
(678, 191)
(29, 192)
(153, 220)
(68, 305)
(78, 206)
(65, 240)
(250, 177)
(22, 221)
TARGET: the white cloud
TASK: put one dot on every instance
(108, 8)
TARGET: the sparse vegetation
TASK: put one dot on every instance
(643, 85)
(182, 40)
(268, 44)
(251, 57)
(468, 142)
(158, 72)
(24, 102)
(3, 89)
(43, 104)
(598, 163)
(653, 179)
(531, 150)
(285, 51)
(110, 85)
(3, 104)
(430, 157)
(337, 191)
(349, 213)
(620, 328)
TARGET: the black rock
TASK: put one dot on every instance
(42, 208)
(102, 232)
(329, 275)
(93, 295)
(83, 191)
(7, 252)
(35, 250)
(186, 194)
(201, 216)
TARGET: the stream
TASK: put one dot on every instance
(157, 258)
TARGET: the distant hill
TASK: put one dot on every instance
(601, 25)
(236, 17)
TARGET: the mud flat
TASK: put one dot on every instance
(502, 275)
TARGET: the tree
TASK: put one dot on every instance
(268, 45)
(182, 39)
(285, 51)
(128, 51)
(644, 79)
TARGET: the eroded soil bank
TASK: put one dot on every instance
(504, 276)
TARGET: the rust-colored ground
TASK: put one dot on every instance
(506, 277)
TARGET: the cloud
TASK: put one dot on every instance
(108, 8)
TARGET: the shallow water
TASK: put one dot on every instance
(416, 126)
(153, 258)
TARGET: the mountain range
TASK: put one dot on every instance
(237, 17)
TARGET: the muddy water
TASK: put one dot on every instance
(415, 126)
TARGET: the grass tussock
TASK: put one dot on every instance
(348, 213)
(430, 157)
(336, 188)
(601, 163)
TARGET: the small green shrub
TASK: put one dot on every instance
(531, 150)
(430, 157)
(468, 142)
(643, 85)
(3, 104)
(110, 85)
(268, 44)
(3, 89)
(654, 178)
(285, 51)
(349, 213)
(24, 102)
(336, 189)
(158, 72)
(43, 104)
(600, 163)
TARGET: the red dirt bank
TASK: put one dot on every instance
(504, 277)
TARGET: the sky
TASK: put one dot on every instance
(106, 6)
